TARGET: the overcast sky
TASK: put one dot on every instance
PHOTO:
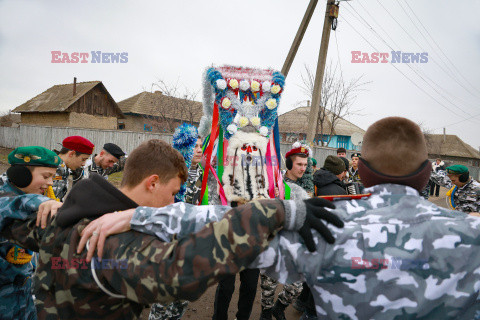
(175, 41)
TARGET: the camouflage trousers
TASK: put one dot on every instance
(16, 302)
(173, 311)
(289, 293)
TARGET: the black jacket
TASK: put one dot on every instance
(328, 184)
(91, 198)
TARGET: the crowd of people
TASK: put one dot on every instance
(355, 238)
(160, 266)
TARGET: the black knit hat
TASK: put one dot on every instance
(334, 164)
(114, 150)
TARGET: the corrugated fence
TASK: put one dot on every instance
(51, 137)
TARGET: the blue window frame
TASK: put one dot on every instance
(342, 142)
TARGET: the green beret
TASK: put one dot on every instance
(457, 169)
(314, 162)
(34, 156)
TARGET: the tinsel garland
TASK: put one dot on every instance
(184, 140)
(306, 181)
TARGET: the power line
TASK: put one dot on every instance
(452, 124)
(418, 69)
(338, 55)
(413, 39)
(408, 65)
(413, 82)
(440, 49)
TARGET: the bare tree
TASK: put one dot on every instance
(6, 119)
(171, 106)
(433, 142)
(336, 101)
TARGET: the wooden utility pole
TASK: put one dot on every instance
(322, 59)
(299, 37)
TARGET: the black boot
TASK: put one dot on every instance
(278, 310)
(266, 314)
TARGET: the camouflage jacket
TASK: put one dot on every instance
(399, 256)
(194, 185)
(138, 266)
(14, 204)
(353, 175)
(60, 181)
(466, 198)
(91, 166)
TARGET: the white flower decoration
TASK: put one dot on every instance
(244, 85)
(221, 84)
(243, 121)
(266, 85)
(255, 121)
(263, 131)
(233, 83)
(271, 104)
(226, 103)
(232, 128)
(275, 89)
(255, 86)
(296, 145)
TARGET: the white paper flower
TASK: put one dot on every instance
(266, 85)
(244, 85)
(221, 84)
(255, 86)
(275, 89)
(233, 83)
(263, 131)
(296, 145)
(255, 121)
(232, 128)
(271, 104)
(226, 103)
(243, 121)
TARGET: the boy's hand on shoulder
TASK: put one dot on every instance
(47, 208)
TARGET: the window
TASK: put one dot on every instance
(147, 127)
(342, 142)
(121, 125)
(323, 137)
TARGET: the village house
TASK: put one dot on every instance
(81, 105)
(452, 150)
(292, 126)
(157, 112)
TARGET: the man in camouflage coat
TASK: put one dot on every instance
(465, 195)
(74, 153)
(399, 256)
(138, 269)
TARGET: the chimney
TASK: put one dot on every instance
(74, 86)
(308, 103)
(444, 135)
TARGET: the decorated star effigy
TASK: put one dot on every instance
(240, 114)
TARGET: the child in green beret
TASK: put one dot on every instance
(21, 194)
